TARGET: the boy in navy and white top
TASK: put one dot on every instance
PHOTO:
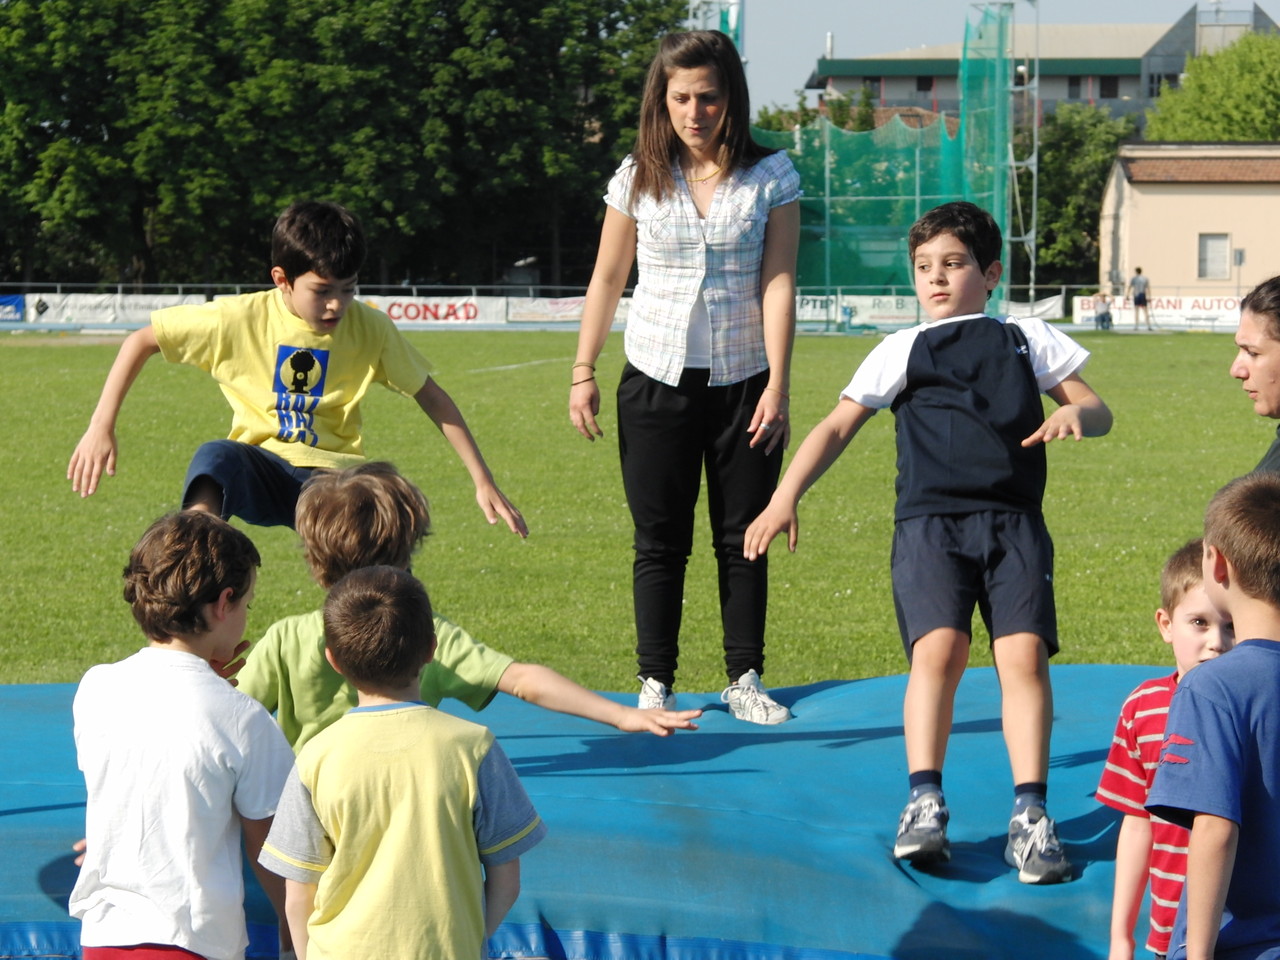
(965, 391)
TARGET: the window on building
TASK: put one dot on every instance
(1073, 88)
(924, 84)
(1156, 80)
(1215, 256)
(1109, 88)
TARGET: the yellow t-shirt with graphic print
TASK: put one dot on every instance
(293, 391)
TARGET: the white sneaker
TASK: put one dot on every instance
(1035, 850)
(749, 701)
(655, 695)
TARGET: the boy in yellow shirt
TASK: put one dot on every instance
(294, 364)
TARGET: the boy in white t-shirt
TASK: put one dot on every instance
(178, 765)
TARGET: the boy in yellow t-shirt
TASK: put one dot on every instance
(400, 830)
(294, 363)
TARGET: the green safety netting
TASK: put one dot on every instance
(862, 191)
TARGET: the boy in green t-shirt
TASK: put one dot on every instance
(369, 515)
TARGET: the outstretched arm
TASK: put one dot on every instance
(1081, 413)
(96, 451)
(545, 688)
(819, 450)
(614, 258)
(444, 413)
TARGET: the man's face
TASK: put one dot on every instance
(1257, 363)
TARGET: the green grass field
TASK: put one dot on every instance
(1117, 506)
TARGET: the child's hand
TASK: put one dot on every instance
(495, 505)
(1062, 423)
(228, 669)
(93, 455)
(80, 846)
(661, 723)
(771, 522)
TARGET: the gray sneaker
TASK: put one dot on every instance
(655, 695)
(748, 700)
(1034, 848)
(922, 830)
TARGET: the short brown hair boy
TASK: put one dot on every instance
(367, 515)
(1182, 572)
(313, 236)
(1242, 522)
(967, 222)
(378, 627)
(179, 566)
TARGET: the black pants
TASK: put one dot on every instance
(665, 436)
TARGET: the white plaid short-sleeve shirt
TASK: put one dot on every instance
(679, 253)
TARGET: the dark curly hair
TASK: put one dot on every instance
(181, 564)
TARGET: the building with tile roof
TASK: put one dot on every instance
(1199, 218)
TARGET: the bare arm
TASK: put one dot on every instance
(1133, 857)
(501, 888)
(1211, 856)
(778, 287)
(1081, 413)
(444, 413)
(546, 688)
(255, 834)
(609, 278)
(299, 902)
(96, 451)
(819, 450)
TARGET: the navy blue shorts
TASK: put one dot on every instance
(997, 560)
(1139, 299)
(258, 486)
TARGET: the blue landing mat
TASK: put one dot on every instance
(733, 842)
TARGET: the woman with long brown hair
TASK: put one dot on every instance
(712, 218)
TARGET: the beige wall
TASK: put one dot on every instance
(1156, 226)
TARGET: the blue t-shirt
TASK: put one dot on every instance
(1221, 756)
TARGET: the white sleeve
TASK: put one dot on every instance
(882, 375)
(1054, 355)
(618, 195)
(268, 759)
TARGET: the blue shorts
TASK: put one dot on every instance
(999, 560)
(1139, 299)
(258, 486)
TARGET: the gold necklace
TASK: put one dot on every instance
(689, 179)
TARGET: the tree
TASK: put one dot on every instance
(1077, 148)
(1233, 94)
(158, 140)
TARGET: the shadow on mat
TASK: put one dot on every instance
(56, 879)
(944, 931)
(639, 755)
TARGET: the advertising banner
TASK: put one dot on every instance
(1220, 314)
(11, 307)
(101, 309)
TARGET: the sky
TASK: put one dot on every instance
(784, 39)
